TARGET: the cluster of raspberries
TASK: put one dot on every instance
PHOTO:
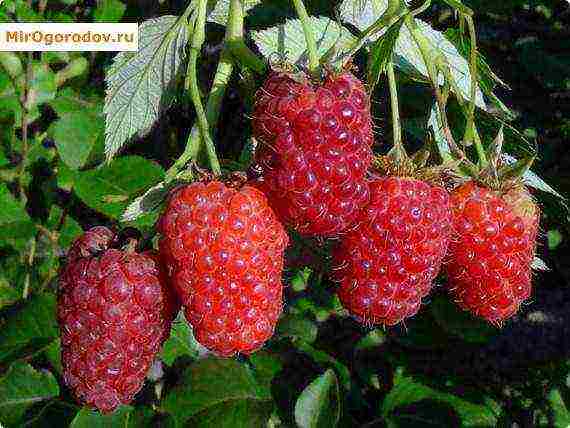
(221, 245)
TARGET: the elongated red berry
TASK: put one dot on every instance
(386, 265)
(224, 251)
(114, 311)
(315, 149)
(489, 266)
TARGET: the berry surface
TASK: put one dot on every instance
(489, 267)
(114, 312)
(314, 150)
(224, 251)
(387, 264)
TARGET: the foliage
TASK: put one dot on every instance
(100, 139)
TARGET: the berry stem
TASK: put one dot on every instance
(309, 36)
(398, 151)
(470, 130)
(191, 84)
(234, 42)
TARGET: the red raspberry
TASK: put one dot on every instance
(315, 149)
(490, 260)
(388, 262)
(114, 312)
(224, 251)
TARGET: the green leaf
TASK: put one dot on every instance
(219, 14)
(109, 11)
(287, 41)
(265, 368)
(435, 408)
(319, 403)
(88, 418)
(21, 387)
(75, 135)
(139, 83)
(42, 86)
(381, 53)
(53, 355)
(559, 410)
(554, 239)
(533, 180)
(460, 323)
(29, 329)
(218, 392)
(108, 189)
(326, 360)
(148, 202)
(297, 327)
(12, 211)
(181, 342)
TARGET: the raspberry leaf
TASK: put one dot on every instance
(433, 407)
(287, 41)
(75, 135)
(219, 14)
(29, 330)
(181, 343)
(88, 418)
(20, 388)
(139, 83)
(297, 327)
(109, 188)
(213, 391)
(319, 403)
(460, 323)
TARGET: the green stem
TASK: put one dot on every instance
(309, 36)
(234, 39)
(191, 84)
(234, 34)
(399, 151)
(470, 130)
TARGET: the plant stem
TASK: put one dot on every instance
(470, 130)
(398, 151)
(191, 84)
(234, 34)
(309, 36)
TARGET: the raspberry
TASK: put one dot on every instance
(489, 266)
(224, 251)
(387, 263)
(315, 149)
(114, 312)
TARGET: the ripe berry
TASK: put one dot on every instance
(224, 251)
(114, 312)
(315, 149)
(387, 263)
(490, 259)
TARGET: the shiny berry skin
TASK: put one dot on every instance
(114, 312)
(489, 267)
(314, 150)
(223, 248)
(387, 263)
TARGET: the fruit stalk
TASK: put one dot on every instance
(309, 36)
(191, 84)
(398, 151)
(470, 131)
